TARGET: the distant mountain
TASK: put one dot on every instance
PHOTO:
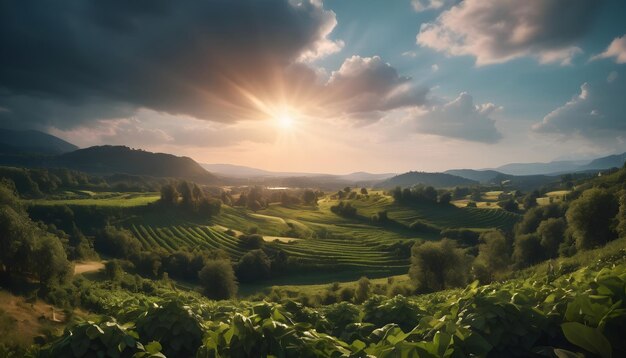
(607, 162)
(562, 166)
(437, 180)
(482, 176)
(120, 159)
(32, 142)
(240, 171)
(365, 177)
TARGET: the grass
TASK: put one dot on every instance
(102, 199)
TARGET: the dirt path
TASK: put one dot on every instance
(88, 266)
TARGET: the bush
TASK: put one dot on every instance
(494, 254)
(362, 291)
(344, 209)
(527, 250)
(118, 243)
(552, 234)
(218, 280)
(252, 241)
(254, 266)
(438, 265)
(591, 218)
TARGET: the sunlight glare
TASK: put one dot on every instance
(285, 121)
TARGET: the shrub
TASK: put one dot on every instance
(218, 280)
(254, 266)
(437, 265)
(362, 291)
(252, 241)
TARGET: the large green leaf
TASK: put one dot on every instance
(588, 338)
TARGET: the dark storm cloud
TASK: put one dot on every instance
(65, 62)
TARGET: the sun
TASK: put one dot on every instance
(285, 121)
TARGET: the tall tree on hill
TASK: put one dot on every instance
(169, 195)
(591, 218)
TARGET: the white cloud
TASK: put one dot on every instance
(612, 77)
(596, 114)
(497, 31)
(461, 119)
(617, 50)
(367, 85)
(434, 67)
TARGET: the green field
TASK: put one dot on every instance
(99, 199)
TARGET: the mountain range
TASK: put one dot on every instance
(36, 149)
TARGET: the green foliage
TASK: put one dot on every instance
(254, 266)
(176, 326)
(527, 250)
(100, 339)
(117, 242)
(218, 280)
(438, 265)
(552, 234)
(252, 241)
(494, 254)
(591, 218)
(344, 209)
(362, 291)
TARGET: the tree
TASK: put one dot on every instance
(50, 261)
(364, 191)
(113, 270)
(552, 234)
(362, 291)
(591, 217)
(169, 195)
(530, 200)
(494, 254)
(527, 250)
(218, 280)
(445, 198)
(254, 266)
(119, 243)
(509, 205)
(621, 216)
(309, 197)
(437, 265)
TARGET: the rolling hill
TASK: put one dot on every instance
(32, 142)
(437, 180)
(120, 159)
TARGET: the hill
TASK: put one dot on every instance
(437, 180)
(611, 161)
(482, 176)
(124, 160)
(32, 142)
(563, 166)
(240, 171)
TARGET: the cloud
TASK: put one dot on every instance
(149, 129)
(461, 119)
(596, 114)
(612, 76)
(365, 86)
(434, 67)
(497, 31)
(424, 5)
(67, 62)
(617, 50)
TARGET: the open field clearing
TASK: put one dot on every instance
(111, 199)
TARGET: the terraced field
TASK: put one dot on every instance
(318, 252)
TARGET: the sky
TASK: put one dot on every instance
(331, 86)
